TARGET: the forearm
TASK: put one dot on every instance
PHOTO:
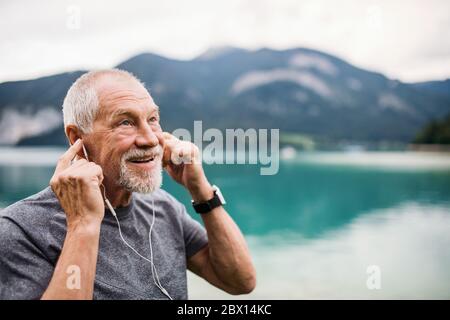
(74, 274)
(228, 251)
(228, 256)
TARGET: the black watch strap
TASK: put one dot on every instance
(207, 206)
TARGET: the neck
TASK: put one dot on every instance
(118, 196)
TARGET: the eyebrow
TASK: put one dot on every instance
(129, 113)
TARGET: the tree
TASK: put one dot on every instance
(436, 132)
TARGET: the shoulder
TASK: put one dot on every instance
(33, 213)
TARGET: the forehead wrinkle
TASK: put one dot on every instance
(124, 97)
(119, 95)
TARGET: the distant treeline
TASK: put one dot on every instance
(436, 132)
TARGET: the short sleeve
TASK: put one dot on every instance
(25, 272)
(195, 237)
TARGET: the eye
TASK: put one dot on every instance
(153, 119)
(125, 123)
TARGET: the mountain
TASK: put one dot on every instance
(439, 87)
(298, 91)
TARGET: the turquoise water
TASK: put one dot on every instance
(316, 226)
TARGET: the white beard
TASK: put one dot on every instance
(141, 181)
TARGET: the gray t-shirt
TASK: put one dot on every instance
(32, 233)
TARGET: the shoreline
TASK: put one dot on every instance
(439, 148)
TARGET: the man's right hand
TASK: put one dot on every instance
(77, 187)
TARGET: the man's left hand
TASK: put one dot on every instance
(181, 160)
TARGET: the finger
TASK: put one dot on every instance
(168, 136)
(185, 152)
(189, 152)
(91, 170)
(97, 170)
(169, 146)
(65, 160)
(175, 155)
(78, 162)
(178, 152)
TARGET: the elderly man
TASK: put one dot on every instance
(104, 229)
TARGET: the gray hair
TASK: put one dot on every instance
(81, 103)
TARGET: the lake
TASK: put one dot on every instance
(328, 225)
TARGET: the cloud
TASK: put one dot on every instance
(258, 78)
(16, 125)
(409, 40)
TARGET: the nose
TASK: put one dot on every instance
(146, 137)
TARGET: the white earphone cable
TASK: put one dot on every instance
(155, 277)
(153, 268)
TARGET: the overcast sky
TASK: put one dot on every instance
(404, 39)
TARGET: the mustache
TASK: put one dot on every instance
(132, 154)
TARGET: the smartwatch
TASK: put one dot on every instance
(216, 201)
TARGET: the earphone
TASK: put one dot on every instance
(113, 212)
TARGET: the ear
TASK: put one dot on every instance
(72, 133)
